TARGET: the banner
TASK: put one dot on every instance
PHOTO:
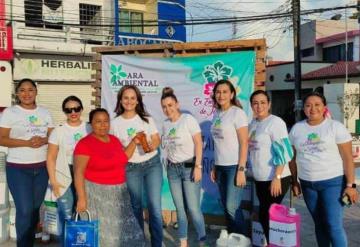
(192, 79)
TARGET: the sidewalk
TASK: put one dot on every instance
(351, 221)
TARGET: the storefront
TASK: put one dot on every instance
(57, 77)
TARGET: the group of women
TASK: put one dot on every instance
(105, 168)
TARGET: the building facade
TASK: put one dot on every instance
(53, 40)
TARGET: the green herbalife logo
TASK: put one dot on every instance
(116, 73)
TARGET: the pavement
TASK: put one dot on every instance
(351, 222)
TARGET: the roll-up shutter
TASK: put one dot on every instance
(51, 96)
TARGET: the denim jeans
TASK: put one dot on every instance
(147, 176)
(28, 187)
(66, 208)
(231, 198)
(185, 191)
(323, 199)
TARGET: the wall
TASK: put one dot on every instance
(279, 72)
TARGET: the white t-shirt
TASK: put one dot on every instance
(71, 138)
(126, 129)
(178, 138)
(262, 135)
(2, 149)
(317, 154)
(24, 124)
(223, 131)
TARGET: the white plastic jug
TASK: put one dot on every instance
(222, 241)
(238, 240)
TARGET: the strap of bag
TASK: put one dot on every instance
(88, 214)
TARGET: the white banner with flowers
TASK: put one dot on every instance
(192, 79)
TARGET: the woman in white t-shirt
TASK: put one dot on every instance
(269, 154)
(229, 130)
(323, 159)
(144, 170)
(24, 129)
(183, 148)
(62, 142)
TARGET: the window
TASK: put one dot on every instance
(90, 17)
(131, 22)
(308, 52)
(337, 53)
(44, 14)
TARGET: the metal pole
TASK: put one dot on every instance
(297, 58)
(116, 26)
(297, 67)
(346, 46)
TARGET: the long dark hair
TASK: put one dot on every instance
(139, 109)
(234, 101)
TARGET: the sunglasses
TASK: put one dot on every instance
(73, 109)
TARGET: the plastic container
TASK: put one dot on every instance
(238, 240)
(4, 225)
(284, 226)
(222, 241)
(4, 192)
(12, 223)
(2, 161)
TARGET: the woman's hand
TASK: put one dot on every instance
(352, 194)
(296, 189)
(275, 187)
(81, 205)
(240, 179)
(37, 141)
(213, 175)
(197, 174)
(56, 186)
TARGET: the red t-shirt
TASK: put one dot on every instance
(107, 160)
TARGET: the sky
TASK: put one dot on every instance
(278, 32)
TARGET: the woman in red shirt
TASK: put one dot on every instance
(100, 162)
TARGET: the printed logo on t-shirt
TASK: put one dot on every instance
(217, 123)
(313, 144)
(36, 126)
(77, 136)
(131, 132)
(34, 120)
(313, 138)
(252, 140)
(172, 133)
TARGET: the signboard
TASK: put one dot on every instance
(192, 79)
(143, 39)
(52, 69)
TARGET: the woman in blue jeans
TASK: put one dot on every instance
(62, 142)
(144, 170)
(229, 130)
(323, 160)
(24, 129)
(183, 147)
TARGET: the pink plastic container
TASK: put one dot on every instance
(284, 226)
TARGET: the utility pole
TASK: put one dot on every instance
(297, 58)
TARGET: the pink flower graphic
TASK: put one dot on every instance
(208, 88)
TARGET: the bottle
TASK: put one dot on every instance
(284, 226)
(144, 144)
(222, 241)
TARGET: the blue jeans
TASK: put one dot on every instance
(231, 198)
(323, 199)
(66, 209)
(147, 176)
(28, 187)
(185, 190)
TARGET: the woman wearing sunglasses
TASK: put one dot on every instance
(62, 142)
